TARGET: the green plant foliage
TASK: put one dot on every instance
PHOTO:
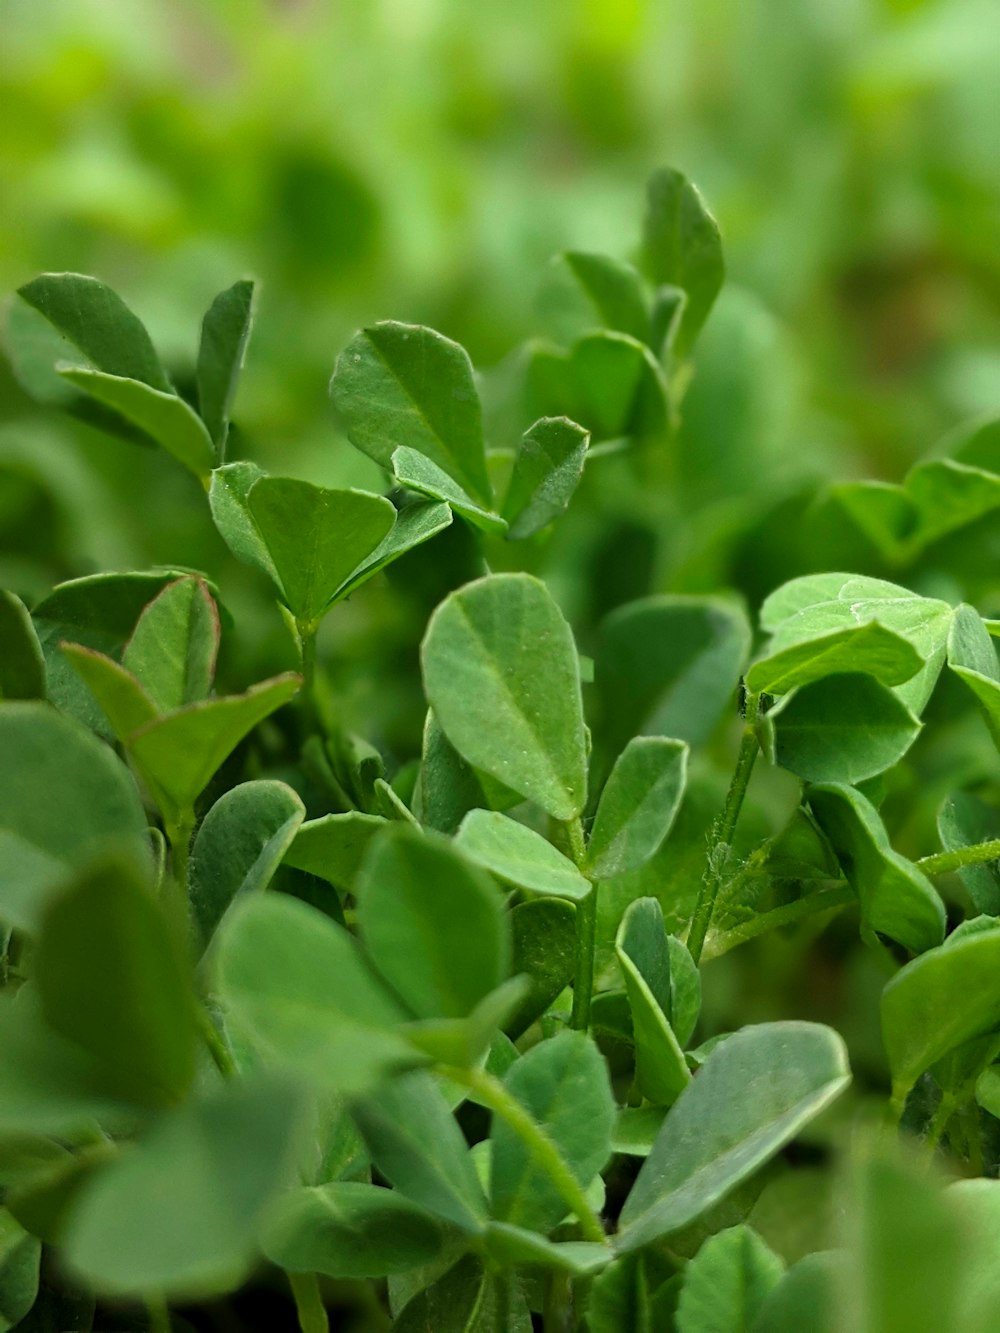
(519, 856)
(19, 1260)
(22, 671)
(963, 821)
(637, 806)
(547, 470)
(645, 960)
(225, 331)
(727, 1283)
(543, 948)
(682, 248)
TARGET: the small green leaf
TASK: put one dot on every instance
(618, 387)
(316, 538)
(513, 1246)
(614, 290)
(178, 1214)
(124, 702)
(174, 646)
(809, 1297)
(333, 846)
(727, 1282)
(973, 659)
(420, 473)
(64, 799)
(712, 1140)
(464, 1300)
(896, 899)
(20, 1257)
(502, 675)
(228, 499)
(842, 729)
(637, 806)
(113, 978)
(661, 1070)
(949, 495)
(942, 999)
(963, 821)
(401, 384)
(464, 1041)
(668, 666)
(239, 846)
(682, 247)
(432, 922)
(350, 1230)
(159, 413)
(99, 323)
(417, 1145)
(225, 331)
(294, 983)
(636, 1129)
(563, 1084)
(448, 787)
(22, 665)
(519, 856)
(868, 648)
(547, 469)
(543, 948)
(177, 754)
(415, 524)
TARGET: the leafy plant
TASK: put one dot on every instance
(443, 1024)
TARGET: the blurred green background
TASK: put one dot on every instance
(424, 159)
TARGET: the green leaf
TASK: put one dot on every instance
(519, 856)
(123, 701)
(563, 1084)
(896, 899)
(315, 537)
(975, 1204)
(547, 469)
(618, 387)
(949, 495)
(420, 473)
(178, 754)
(637, 806)
(112, 977)
(177, 1216)
(973, 659)
(464, 1300)
(97, 322)
(614, 290)
(349, 1230)
(333, 846)
(401, 384)
(296, 986)
(225, 331)
(20, 1256)
(158, 413)
(945, 997)
(868, 648)
(502, 675)
(464, 1041)
(842, 729)
(64, 799)
(174, 646)
(636, 1128)
(682, 247)
(711, 1140)
(228, 499)
(643, 955)
(811, 607)
(963, 821)
(543, 948)
(668, 666)
(22, 666)
(512, 1246)
(808, 1298)
(238, 848)
(415, 524)
(727, 1282)
(432, 922)
(417, 1145)
(448, 787)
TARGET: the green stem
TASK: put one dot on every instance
(586, 931)
(308, 1303)
(788, 915)
(557, 1317)
(179, 835)
(722, 831)
(217, 1047)
(939, 1122)
(159, 1316)
(943, 863)
(492, 1093)
(305, 631)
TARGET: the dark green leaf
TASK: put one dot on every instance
(502, 675)
(896, 899)
(711, 1141)
(519, 856)
(614, 290)
(547, 469)
(448, 787)
(124, 702)
(238, 848)
(808, 1298)
(868, 648)
(228, 499)
(415, 524)
(727, 1282)
(173, 648)
(515, 1246)
(973, 658)
(963, 821)
(20, 1255)
(637, 806)
(22, 666)
(661, 1070)
(64, 798)
(421, 474)
(563, 1084)
(432, 922)
(401, 384)
(333, 846)
(464, 1300)
(225, 331)
(618, 387)
(682, 247)
(543, 948)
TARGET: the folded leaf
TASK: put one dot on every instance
(520, 856)
(547, 469)
(638, 805)
(225, 331)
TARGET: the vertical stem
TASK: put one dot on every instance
(305, 631)
(308, 1303)
(586, 931)
(179, 835)
(158, 1316)
(722, 831)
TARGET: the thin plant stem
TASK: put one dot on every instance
(492, 1093)
(557, 1317)
(722, 831)
(305, 631)
(217, 1047)
(586, 931)
(179, 835)
(943, 863)
(308, 1303)
(812, 905)
(158, 1316)
(939, 1123)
